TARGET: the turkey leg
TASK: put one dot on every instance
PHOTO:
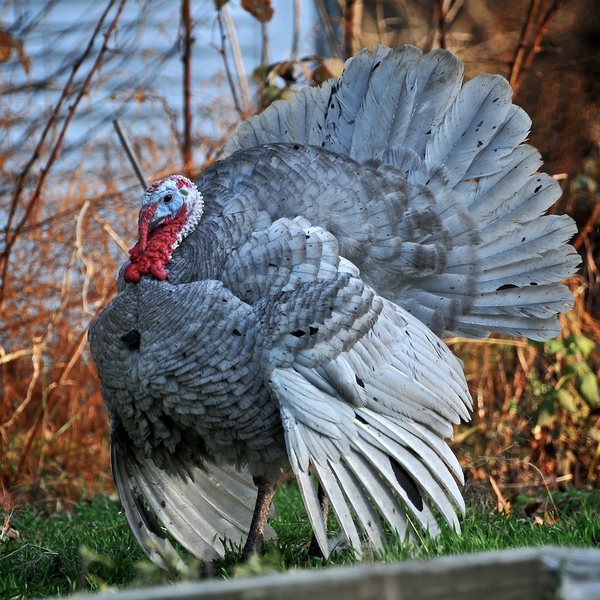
(314, 550)
(266, 492)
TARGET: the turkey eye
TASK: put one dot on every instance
(168, 198)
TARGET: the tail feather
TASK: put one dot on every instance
(487, 195)
(347, 100)
(144, 526)
(543, 270)
(379, 97)
(200, 513)
(469, 126)
(515, 325)
(439, 78)
(494, 158)
(360, 504)
(431, 466)
(388, 505)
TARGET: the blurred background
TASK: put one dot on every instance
(179, 77)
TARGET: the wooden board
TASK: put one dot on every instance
(523, 574)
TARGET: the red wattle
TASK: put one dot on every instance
(153, 251)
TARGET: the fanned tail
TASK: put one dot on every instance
(465, 145)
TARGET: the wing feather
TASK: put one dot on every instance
(369, 424)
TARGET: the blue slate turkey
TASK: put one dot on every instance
(285, 312)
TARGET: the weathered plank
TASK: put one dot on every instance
(523, 574)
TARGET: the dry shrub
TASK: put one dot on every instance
(536, 417)
(60, 268)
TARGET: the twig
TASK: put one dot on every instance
(89, 265)
(6, 358)
(113, 234)
(352, 22)
(542, 31)
(442, 23)
(544, 481)
(237, 57)
(39, 347)
(296, 31)
(517, 64)
(522, 63)
(131, 155)
(37, 421)
(503, 505)
(188, 41)
(11, 238)
(36, 360)
(382, 33)
(265, 50)
(228, 74)
(589, 226)
(325, 19)
(453, 10)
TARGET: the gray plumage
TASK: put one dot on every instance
(342, 232)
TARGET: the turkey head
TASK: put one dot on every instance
(171, 208)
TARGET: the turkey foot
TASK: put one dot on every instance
(266, 492)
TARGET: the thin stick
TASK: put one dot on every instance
(188, 40)
(353, 25)
(325, 19)
(131, 155)
(237, 57)
(537, 21)
(537, 42)
(589, 226)
(223, 54)
(442, 23)
(297, 25)
(520, 52)
(382, 33)
(265, 51)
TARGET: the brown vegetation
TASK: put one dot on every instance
(68, 212)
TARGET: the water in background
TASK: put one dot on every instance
(140, 80)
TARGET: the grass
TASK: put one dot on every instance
(91, 548)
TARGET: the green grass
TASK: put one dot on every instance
(91, 548)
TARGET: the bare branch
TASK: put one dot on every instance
(326, 22)
(265, 48)
(237, 57)
(89, 265)
(382, 32)
(352, 25)
(11, 237)
(442, 23)
(131, 155)
(589, 226)
(223, 52)
(297, 25)
(517, 64)
(111, 232)
(538, 20)
(188, 41)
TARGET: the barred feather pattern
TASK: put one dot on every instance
(402, 108)
(343, 233)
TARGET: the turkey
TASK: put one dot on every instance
(285, 312)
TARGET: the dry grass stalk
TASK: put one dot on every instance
(74, 231)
